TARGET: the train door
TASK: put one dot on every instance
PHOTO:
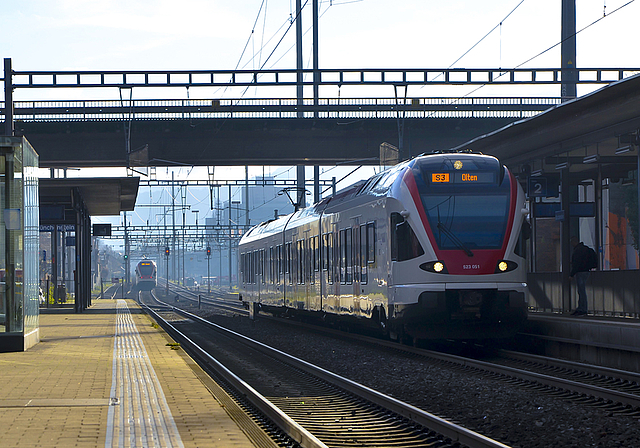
(405, 246)
(330, 267)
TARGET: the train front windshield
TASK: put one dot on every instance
(146, 269)
(467, 208)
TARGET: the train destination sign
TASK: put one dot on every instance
(475, 177)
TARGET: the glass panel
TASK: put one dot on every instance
(349, 255)
(371, 242)
(342, 248)
(31, 240)
(620, 224)
(478, 220)
(363, 254)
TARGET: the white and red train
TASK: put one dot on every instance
(146, 275)
(432, 248)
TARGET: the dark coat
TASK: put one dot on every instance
(580, 259)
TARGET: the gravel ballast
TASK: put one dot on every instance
(513, 415)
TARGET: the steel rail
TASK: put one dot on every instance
(454, 432)
(283, 421)
(546, 380)
(562, 363)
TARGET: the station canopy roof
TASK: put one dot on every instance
(586, 132)
(103, 196)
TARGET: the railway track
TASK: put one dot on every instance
(313, 406)
(618, 391)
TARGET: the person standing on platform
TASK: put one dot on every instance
(583, 259)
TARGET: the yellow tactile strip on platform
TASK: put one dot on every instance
(57, 393)
(139, 414)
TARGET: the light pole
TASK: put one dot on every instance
(166, 254)
(208, 275)
(237, 207)
(196, 212)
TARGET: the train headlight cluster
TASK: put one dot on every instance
(505, 266)
(437, 267)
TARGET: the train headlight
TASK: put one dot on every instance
(505, 266)
(437, 267)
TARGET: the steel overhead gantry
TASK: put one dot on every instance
(327, 77)
(163, 133)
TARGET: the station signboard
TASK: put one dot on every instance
(545, 186)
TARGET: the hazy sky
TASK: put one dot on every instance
(212, 34)
(250, 34)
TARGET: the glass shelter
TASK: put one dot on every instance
(19, 244)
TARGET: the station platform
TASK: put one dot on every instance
(601, 340)
(107, 377)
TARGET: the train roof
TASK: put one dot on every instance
(378, 185)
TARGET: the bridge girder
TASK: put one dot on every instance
(242, 141)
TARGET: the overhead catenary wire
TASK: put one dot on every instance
(558, 43)
(499, 25)
(542, 52)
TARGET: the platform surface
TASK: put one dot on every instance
(105, 378)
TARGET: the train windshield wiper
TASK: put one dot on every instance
(455, 239)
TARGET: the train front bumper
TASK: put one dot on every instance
(457, 310)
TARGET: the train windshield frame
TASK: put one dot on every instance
(466, 209)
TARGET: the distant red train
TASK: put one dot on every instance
(146, 275)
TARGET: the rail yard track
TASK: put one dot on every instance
(611, 391)
(313, 406)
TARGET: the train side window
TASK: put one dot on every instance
(247, 272)
(316, 253)
(364, 277)
(329, 260)
(300, 273)
(325, 252)
(287, 262)
(349, 255)
(255, 267)
(311, 258)
(254, 264)
(342, 250)
(262, 265)
(249, 266)
(278, 262)
(242, 267)
(270, 263)
(355, 253)
(346, 256)
(371, 242)
(404, 242)
(246, 265)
